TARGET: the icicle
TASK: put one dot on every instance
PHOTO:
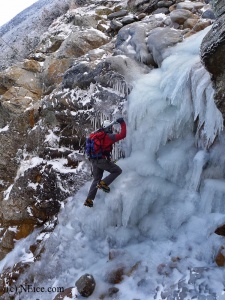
(163, 106)
(119, 85)
(199, 161)
(210, 120)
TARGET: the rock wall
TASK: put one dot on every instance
(218, 7)
(213, 53)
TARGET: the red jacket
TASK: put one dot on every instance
(111, 138)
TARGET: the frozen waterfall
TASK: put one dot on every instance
(167, 201)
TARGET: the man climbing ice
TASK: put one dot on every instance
(98, 149)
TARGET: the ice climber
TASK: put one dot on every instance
(99, 148)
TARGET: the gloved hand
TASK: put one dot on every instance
(120, 120)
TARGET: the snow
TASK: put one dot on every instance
(32, 185)
(7, 192)
(27, 163)
(163, 209)
(160, 16)
(14, 229)
(51, 139)
(21, 250)
(6, 128)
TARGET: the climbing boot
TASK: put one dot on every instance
(88, 202)
(103, 186)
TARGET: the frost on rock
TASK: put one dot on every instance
(52, 139)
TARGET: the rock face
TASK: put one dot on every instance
(220, 230)
(69, 293)
(160, 39)
(208, 14)
(141, 4)
(213, 54)
(190, 5)
(220, 257)
(86, 285)
(179, 16)
(219, 7)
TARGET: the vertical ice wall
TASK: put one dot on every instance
(172, 115)
(165, 103)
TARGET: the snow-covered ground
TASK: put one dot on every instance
(163, 209)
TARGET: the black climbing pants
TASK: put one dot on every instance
(99, 166)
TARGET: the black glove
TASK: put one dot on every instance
(120, 120)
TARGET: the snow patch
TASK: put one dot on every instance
(6, 128)
(7, 192)
(51, 139)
